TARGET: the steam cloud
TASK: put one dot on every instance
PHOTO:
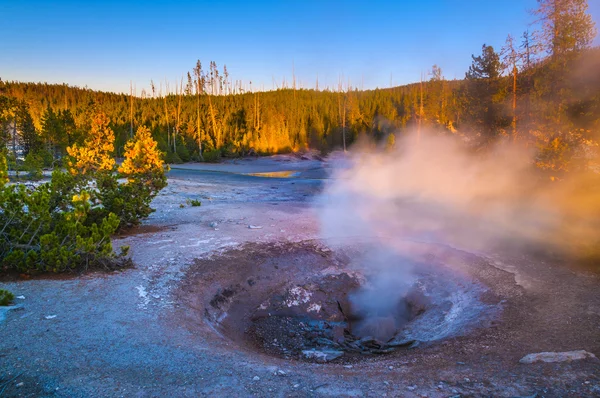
(437, 190)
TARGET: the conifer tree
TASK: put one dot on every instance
(566, 25)
(484, 93)
(96, 154)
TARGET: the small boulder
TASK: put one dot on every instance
(322, 356)
(556, 356)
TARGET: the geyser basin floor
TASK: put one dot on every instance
(134, 334)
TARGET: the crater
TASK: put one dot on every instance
(308, 302)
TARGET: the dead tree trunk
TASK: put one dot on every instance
(514, 103)
(420, 109)
(130, 110)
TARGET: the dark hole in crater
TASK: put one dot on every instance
(318, 322)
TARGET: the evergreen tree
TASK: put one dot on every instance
(484, 94)
(96, 154)
(566, 25)
(30, 138)
(51, 133)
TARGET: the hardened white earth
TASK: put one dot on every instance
(124, 333)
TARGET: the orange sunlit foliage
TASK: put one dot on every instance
(141, 155)
(97, 152)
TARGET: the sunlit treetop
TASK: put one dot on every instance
(96, 154)
(141, 154)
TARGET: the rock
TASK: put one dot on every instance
(213, 224)
(322, 341)
(322, 356)
(338, 334)
(401, 342)
(556, 356)
(369, 340)
(256, 378)
(281, 372)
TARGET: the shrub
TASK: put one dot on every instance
(230, 150)
(67, 223)
(44, 228)
(143, 169)
(3, 168)
(6, 297)
(212, 156)
(173, 158)
(194, 202)
(183, 153)
(33, 165)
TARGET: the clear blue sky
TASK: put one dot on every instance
(105, 44)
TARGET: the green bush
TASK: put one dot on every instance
(195, 157)
(193, 202)
(67, 223)
(6, 297)
(34, 163)
(130, 201)
(173, 158)
(212, 156)
(230, 150)
(183, 153)
(50, 228)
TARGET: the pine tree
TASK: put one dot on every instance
(566, 25)
(29, 135)
(96, 154)
(483, 92)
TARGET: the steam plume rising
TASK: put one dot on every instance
(438, 190)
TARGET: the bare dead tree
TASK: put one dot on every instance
(130, 109)
(179, 93)
(199, 90)
(167, 112)
(420, 108)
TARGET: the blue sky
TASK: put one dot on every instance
(105, 44)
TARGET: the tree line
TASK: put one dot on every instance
(540, 90)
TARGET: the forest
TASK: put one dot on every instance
(541, 90)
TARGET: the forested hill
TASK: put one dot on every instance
(553, 101)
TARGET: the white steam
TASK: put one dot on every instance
(436, 190)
